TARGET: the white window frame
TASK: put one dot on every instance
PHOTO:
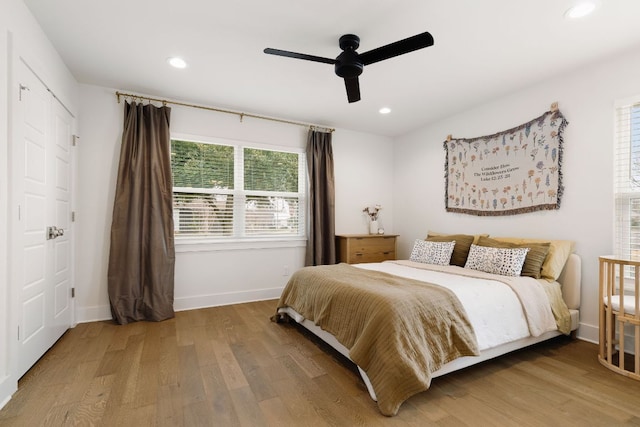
(238, 240)
(626, 192)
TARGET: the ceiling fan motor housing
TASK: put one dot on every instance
(348, 63)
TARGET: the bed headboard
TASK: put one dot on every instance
(570, 279)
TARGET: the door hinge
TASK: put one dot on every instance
(74, 142)
(73, 292)
(73, 216)
(22, 88)
(18, 332)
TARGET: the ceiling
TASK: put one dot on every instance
(483, 50)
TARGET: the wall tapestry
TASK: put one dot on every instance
(511, 172)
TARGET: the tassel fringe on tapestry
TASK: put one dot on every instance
(508, 173)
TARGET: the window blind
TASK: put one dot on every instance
(203, 184)
(627, 180)
(274, 193)
(202, 214)
(230, 191)
(201, 165)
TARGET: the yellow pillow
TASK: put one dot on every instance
(476, 237)
(557, 257)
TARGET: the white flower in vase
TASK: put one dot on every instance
(373, 212)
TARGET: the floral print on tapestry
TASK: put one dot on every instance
(508, 173)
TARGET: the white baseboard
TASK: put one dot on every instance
(92, 314)
(8, 386)
(590, 333)
(98, 313)
(227, 298)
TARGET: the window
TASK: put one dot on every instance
(627, 179)
(224, 190)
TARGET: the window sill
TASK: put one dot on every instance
(209, 245)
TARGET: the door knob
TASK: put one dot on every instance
(53, 232)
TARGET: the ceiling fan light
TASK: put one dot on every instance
(177, 62)
(580, 10)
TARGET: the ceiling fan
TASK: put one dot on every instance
(349, 64)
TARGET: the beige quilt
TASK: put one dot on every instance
(541, 299)
(397, 330)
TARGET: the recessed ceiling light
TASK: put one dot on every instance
(177, 62)
(580, 10)
(384, 110)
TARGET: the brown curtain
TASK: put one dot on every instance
(321, 247)
(142, 255)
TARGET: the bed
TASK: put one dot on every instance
(406, 322)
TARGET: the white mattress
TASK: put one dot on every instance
(492, 307)
(629, 303)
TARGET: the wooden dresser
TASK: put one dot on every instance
(356, 248)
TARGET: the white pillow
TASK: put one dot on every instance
(438, 253)
(502, 261)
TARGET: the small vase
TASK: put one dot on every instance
(373, 227)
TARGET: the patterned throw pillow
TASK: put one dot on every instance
(438, 253)
(535, 257)
(502, 261)
(559, 252)
(461, 249)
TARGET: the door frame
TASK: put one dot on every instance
(7, 384)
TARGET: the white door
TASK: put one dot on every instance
(41, 256)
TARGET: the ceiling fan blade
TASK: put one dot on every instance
(299, 56)
(397, 48)
(353, 89)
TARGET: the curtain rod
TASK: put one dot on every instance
(220, 110)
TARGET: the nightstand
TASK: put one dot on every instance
(357, 248)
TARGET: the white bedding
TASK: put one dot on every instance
(493, 308)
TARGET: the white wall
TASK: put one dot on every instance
(363, 166)
(586, 99)
(219, 274)
(21, 39)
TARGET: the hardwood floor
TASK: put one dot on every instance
(232, 366)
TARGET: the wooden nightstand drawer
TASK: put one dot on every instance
(358, 257)
(357, 248)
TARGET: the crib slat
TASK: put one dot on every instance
(615, 316)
